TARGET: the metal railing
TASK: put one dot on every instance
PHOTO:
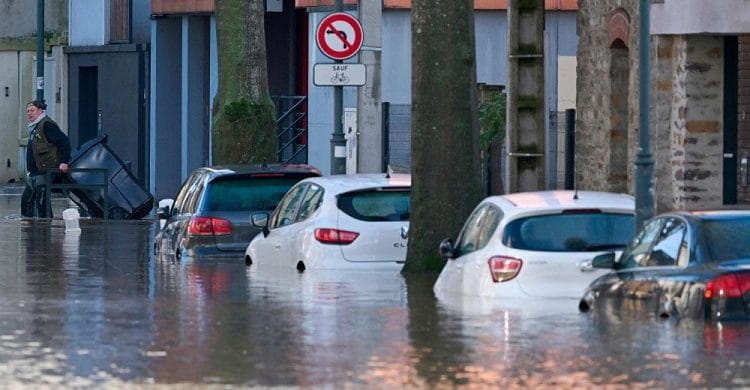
(291, 128)
(49, 186)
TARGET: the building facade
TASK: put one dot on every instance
(18, 25)
(699, 95)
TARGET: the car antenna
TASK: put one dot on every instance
(575, 195)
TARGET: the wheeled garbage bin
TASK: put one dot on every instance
(126, 198)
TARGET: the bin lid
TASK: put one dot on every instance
(102, 139)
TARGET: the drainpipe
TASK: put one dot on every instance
(40, 50)
(644, 162)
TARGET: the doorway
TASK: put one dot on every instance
(88, 107)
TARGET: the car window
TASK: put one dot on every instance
(184, 192)
(573, 231)
(478, 229)
(669, 247)
(639, 246)
(379, 204)
(310, 202)
(246, 193)
(726, 239)
(284, 213)
(193, 197)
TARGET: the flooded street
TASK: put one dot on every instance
(96, 308)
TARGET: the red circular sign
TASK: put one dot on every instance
(339, 36)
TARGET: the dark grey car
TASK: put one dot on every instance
(210, 216)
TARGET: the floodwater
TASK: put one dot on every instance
(96, 309)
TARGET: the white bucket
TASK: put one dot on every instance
(71, 217)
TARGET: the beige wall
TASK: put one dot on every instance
(9, 118)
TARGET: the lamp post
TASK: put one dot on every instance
(40, 50)
(644, 162)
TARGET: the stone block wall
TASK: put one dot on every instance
(685, 114)
(594, 91)
(703, 132)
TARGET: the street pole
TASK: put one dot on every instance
(338, 142)
(644, 163)
(40, 50)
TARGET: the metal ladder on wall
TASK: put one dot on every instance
(291, 124)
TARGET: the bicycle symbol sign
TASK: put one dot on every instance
(339, 36)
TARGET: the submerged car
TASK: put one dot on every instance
(680, 264)
(210, 216)
(535, 244)
(357, 221)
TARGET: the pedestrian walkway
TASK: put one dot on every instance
(10, 202)
(12, 188)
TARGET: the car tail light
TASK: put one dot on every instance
(504, 268)
(733, 285)
(335, 236)
(207, 226)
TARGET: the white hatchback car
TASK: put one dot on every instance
(336, 222)
(535, 244)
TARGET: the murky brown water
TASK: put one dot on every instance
(97, 309)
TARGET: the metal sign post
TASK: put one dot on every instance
(40, 50)
(339, 36)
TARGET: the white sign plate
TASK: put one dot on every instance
(339, 74)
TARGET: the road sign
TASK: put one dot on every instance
(339, 74)
(339, 36)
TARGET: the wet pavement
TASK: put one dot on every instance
(96, 309)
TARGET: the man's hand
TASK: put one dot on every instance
(63, 167)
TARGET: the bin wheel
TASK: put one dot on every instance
(117, 213)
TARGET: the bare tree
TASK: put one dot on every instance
(446, 176)
(244, 114)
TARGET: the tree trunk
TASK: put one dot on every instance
(446, 173)
(244, 115)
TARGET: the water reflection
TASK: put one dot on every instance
(97, 309)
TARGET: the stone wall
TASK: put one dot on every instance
(597, 32)
(686, 110)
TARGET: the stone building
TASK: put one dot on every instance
(700, 96)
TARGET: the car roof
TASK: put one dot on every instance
(250, 169)
(535, 202)
(345, 183)
(712, 214)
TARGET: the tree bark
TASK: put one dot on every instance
(446, 173)
(244, 115)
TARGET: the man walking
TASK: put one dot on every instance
(48, 148)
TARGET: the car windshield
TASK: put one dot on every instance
(246, 193)
(575, 232)
(726, 239)
(376, 204)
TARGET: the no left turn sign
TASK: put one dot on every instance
(339, 36)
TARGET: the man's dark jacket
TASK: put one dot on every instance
(55, 136)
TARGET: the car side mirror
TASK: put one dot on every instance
(260, 220)
(446, 249)
(165, 208)
(605, 260)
